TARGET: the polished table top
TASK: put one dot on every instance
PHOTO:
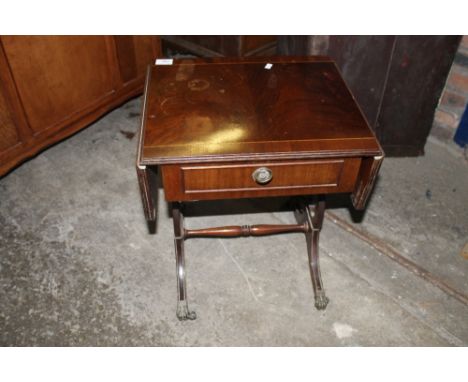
(218, 109)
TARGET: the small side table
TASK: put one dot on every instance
(247, 128)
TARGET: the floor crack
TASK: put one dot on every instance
(244, 275)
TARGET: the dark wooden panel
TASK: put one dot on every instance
(48, 137)
(294, 45)
(363, 62)
(367, 175)
(8, 133)
(135, 53)
(147, 48)
(227, 46)
(147, 180)
(416, 78)
(250, 43)
(127, 60)
(58, 76)
(54, 86)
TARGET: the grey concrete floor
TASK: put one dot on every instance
(78, 267)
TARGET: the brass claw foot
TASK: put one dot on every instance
(321, 301)
(183, 312)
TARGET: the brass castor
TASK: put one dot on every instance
(183, 312)
(321, 301)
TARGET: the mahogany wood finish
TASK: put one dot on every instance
(366, 179)
(53, 86)
(245, 230)
(147, 181)
(235, 180)
(314, 220)
(212, 125)
(237, 109)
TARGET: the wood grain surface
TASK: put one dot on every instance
(53, 86)
(235, 180)
(211, 109)
(209, 124)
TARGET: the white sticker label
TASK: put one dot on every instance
(268, 66)
(164, 61)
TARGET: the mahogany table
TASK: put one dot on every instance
(247, 128)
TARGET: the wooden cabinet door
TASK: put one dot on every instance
(53, 86)
(9, 137)
(60, 76)
(416, 77)
(134, 54)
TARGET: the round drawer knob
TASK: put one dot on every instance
(262, 175)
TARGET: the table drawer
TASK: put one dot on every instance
(237, 180)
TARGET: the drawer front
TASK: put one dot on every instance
(237, 180)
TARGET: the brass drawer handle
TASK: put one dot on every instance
(262, 175)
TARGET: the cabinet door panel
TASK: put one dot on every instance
(258, 45)
(8, 134)
(59, 76)
(145, 52)
(363, 61)
(416, 78)
(135, 53)
(219, 46)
